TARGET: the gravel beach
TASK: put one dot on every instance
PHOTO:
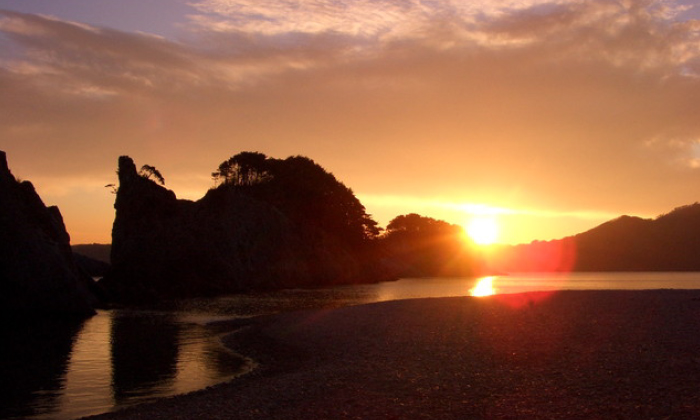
(561, 355)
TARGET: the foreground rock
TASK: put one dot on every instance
(260, 234)
(567, 355)
(37, 271)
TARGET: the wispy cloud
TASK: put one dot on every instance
(516, 23)
(520, 104)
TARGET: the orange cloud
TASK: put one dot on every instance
(570, 106)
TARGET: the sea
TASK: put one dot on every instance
(54, 369)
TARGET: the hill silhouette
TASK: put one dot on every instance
(670, 242)
(98, 252)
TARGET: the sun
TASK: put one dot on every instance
(483, 230)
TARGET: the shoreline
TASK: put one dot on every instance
(559, 355)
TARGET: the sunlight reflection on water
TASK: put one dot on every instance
(484, 287)
(122, 357)
(530, 282)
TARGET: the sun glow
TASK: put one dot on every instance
(483, 230)
(484, 287)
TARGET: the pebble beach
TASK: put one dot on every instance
(540, 355)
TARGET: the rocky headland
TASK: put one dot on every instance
(38, 273)
(270, 224)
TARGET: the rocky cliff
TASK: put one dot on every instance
(231, 240)
(37, 269)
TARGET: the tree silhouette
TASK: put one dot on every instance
(148, 171)
(303, 190)
(426, 246)
(246, 168)
(414, 223)
(112, 188)
(320, 197)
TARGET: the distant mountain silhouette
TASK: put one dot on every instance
(99, 252)
(38, 273)
(671, 242)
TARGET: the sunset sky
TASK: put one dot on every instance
(550, 116)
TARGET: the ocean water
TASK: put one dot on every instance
(62, 370)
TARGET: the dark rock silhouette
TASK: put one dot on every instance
(671, 242)
(238, 237)
(37, 269)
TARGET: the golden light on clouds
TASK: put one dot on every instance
(554, 116)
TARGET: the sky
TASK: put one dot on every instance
(550, 117)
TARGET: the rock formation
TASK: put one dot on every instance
(233, 239)
(37, 269)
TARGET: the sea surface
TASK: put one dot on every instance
(52, 369)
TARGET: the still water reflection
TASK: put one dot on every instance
(114, 359)
(63, 370)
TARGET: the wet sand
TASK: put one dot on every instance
(563, 355)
